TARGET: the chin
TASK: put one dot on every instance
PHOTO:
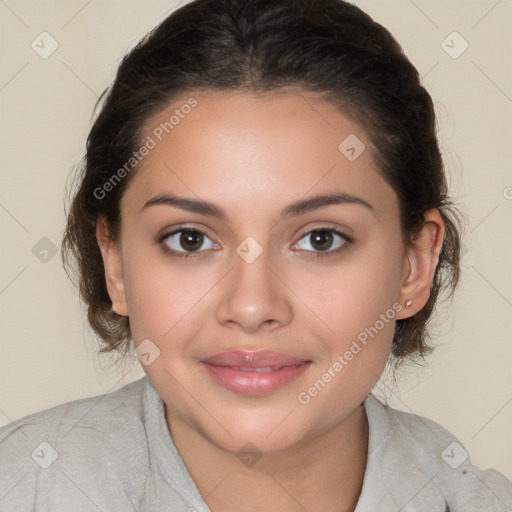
(266, 434)
(256, 442)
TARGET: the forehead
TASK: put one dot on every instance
(241, 148)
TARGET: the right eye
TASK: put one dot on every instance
(191, 240)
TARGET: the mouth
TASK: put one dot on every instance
(254, 373)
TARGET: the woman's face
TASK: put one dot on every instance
(324, 304)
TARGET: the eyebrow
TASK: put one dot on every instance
(212, 210)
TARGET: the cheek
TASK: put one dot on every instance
(356, 320)
(158, 294)
(353, 294)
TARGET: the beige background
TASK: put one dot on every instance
(48, 354)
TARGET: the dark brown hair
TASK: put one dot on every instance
(329, 47)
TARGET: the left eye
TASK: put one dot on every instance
(323, 239)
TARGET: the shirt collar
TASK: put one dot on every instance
(383, 465)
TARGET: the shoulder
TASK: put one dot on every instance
(419, 449)
(79, 417)
(84, 442)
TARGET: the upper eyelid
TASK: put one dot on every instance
(326, 228)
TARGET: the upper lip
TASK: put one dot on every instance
(259, 359)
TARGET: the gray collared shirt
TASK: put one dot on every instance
(114, 453)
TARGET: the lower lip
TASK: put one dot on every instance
(253, 383)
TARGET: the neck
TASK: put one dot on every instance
(325, 473)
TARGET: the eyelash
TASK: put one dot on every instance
(321, 254)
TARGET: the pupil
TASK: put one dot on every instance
(189, 240)
(322, 240)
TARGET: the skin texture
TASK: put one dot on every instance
(253, 156)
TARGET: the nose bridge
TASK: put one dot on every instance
(253, 296)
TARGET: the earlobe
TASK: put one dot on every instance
(422, 257)
(112, 263)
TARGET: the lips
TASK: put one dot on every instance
(253, 373)
(261, 359)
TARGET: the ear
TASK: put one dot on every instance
(420, 264)
(113, 264)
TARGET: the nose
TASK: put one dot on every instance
(254, 297)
